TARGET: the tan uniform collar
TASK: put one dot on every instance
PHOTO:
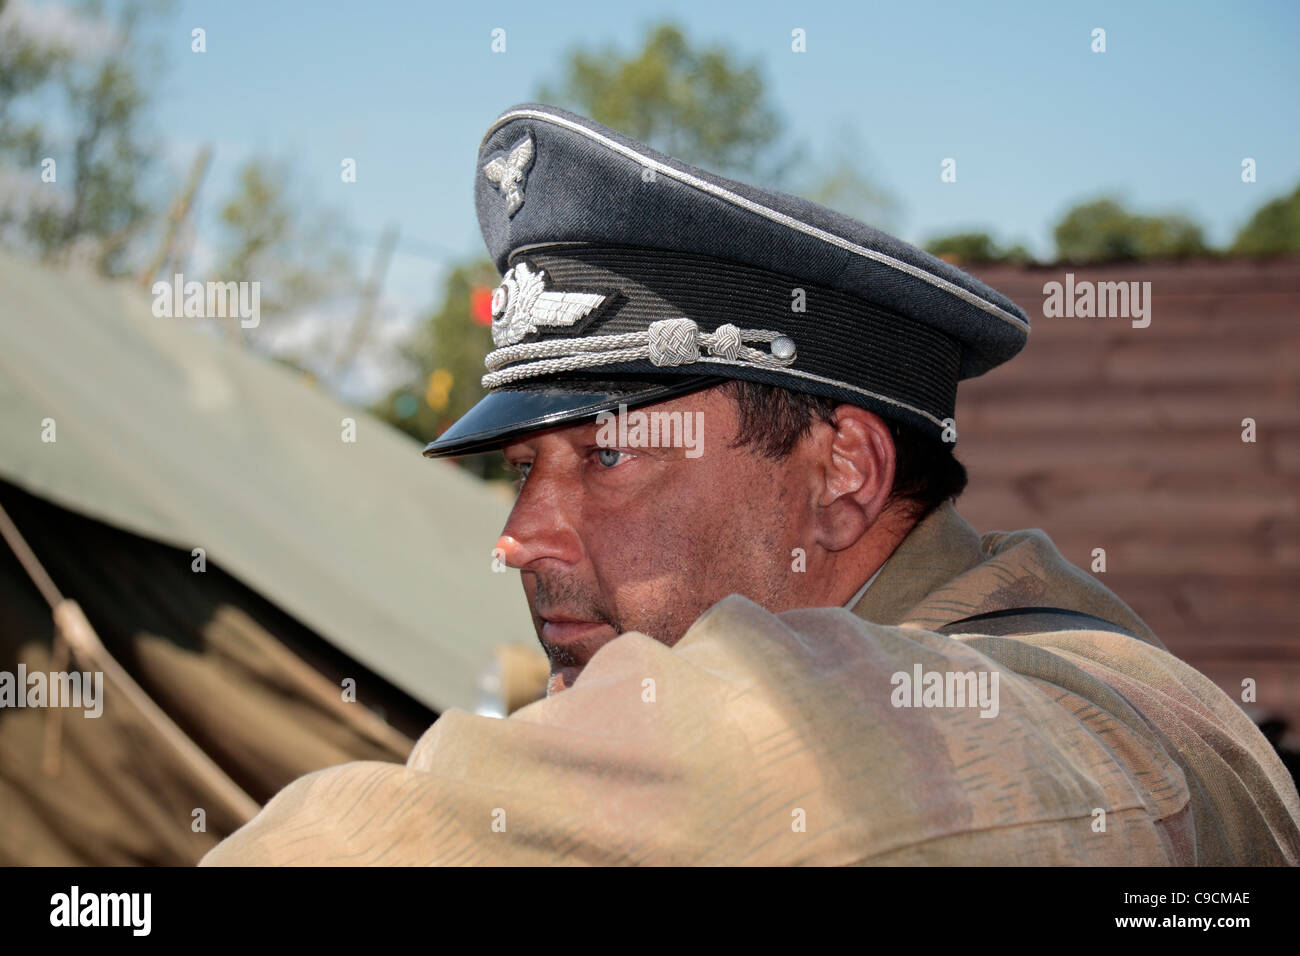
(944, 571)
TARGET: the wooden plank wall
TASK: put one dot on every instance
(1130, 439)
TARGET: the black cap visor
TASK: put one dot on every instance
(510, 412)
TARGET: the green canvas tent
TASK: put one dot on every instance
(128, 441)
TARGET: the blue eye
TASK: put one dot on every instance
(609, 457)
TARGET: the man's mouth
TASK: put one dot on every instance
(573, 634)
(571, 641)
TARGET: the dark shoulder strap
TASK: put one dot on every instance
(1030, 620)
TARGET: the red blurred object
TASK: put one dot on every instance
(480, 305)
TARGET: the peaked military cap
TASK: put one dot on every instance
(630, 277)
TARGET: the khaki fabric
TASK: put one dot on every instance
(773, 739)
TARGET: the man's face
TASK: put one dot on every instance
(616, 539)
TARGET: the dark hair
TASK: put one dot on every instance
(773, 420)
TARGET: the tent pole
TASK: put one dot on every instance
(72, 626)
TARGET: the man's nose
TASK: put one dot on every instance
(540, 524)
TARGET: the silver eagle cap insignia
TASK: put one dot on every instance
(521, 305)
(507, 173)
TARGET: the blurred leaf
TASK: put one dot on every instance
(296, 250)
(697, 104)
(447, 358)
(1273, 230)
(1104, 231)
(96, 207)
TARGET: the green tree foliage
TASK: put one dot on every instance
(842, 183)
(975, 248)
(695, 103)
(26, 67)
(257, 216)
(296, 250)
(1104, 231)
(703, 105)
(1274, 230)
(453, 344)
(96, 206)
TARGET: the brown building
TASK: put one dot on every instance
(1131, 440)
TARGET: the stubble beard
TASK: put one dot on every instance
(573, 598)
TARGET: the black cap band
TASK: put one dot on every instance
(846, 348)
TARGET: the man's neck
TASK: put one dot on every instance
(852, 602)
(871, 553)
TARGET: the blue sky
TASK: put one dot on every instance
(1035, 119)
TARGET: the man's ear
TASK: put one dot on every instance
(855, 475)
